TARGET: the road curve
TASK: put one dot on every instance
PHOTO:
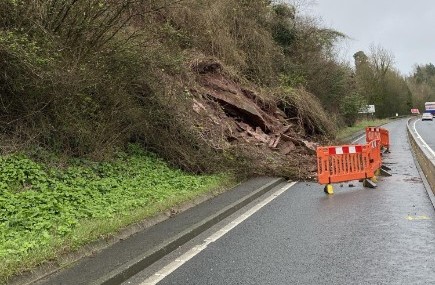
(426, 129)
(356, 236)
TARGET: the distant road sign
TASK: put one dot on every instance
(415, 111)
(367, 109)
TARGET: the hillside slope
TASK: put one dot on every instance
(84, 79)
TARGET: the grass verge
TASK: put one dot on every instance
(46, 211)
(345, 133)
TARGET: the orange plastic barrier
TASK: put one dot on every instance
(345, 163)
(375, 133)
(375, 155)
(385, 139)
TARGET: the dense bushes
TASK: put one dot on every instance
(56, 89)
(87, 77)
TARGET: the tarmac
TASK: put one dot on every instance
(120, 261)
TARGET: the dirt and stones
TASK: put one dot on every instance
(246, 119)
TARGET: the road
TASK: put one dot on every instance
(298, 235)
(426, 130)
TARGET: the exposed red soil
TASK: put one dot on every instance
(244, 118)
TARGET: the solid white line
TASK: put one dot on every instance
(422, 140)
(171, 267)
(354, 141)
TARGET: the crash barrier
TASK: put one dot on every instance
(376, 133)
(425, 158)
(349, 162)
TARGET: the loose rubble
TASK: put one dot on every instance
(245, 117)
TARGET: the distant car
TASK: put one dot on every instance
(427, 117)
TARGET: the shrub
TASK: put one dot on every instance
(307, 110)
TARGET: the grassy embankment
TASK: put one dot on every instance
(347, 132)
(47, 210)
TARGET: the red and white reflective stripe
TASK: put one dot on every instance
(374, 129)
(345, 149)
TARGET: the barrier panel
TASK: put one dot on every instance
(375, 155)
(385, 139)
(375, 133)
(343, 163)
(346, 163)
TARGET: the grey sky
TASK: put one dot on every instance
(405, 28)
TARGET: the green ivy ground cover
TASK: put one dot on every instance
(45, 211)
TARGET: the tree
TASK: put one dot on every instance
(422, 84)
(350, 105)
(380, 83)
(381, 59)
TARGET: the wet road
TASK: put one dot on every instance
(426, 130)
(356, 236)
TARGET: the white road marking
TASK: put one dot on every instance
(425, 145)
(171, 267)
(356, 140)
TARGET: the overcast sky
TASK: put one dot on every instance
(405, 28)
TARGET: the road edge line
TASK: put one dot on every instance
(185, 257)
(131, 268)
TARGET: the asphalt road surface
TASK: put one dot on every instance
(426, 130)
(302, 236)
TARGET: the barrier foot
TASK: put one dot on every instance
(385, 168)
(374, 179)
(369, 183)
(385, 173)
(329, 189)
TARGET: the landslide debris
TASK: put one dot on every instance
(247, 121)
